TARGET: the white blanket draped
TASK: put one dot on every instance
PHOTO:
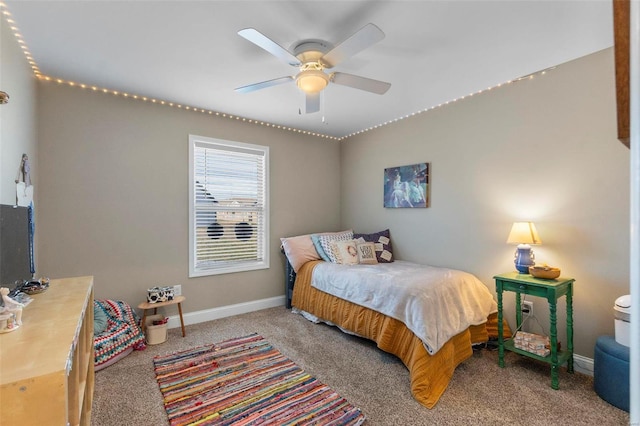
(434, 303)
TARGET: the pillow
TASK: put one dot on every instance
(315, 238)
(326, 239)
(299, 250)
(382, 240)
(99, 319)
(367, 253)
(345, 252)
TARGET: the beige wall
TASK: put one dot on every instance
(543, 150)
(115, 199)
(17, 118)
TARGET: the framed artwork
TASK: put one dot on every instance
(407, 186)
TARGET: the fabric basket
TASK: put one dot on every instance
(155, 334)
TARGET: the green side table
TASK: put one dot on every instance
(551, 290)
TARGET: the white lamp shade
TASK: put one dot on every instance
(524, 233)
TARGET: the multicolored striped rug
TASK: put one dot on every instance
(246, 381)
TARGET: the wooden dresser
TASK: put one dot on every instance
(46, 366)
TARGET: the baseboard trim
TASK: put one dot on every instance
(225, 311)
(581, 364)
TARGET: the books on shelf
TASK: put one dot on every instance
(534, 343)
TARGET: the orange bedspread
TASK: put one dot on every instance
(430, 374)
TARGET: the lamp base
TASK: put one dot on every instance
(524, 258)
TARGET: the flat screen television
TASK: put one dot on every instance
(15, 240)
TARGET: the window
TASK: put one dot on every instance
(228, 206)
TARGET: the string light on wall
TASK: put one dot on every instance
(16, 33)
(277, 126)
(180, 106)
(23, 45)
(499, 85)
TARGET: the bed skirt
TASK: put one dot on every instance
(430, 374)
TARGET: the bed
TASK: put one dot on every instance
(430, 374)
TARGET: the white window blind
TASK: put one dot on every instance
(228, 221)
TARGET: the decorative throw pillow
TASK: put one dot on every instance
(299, 250)
(382, 240)
(367, 253)
(326, 239)
(315, 238)
(99, 319)
(345, 252)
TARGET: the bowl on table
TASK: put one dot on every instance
(545, 272)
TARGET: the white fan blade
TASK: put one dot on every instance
(358, 82)
(312, 103)
(363, 38)
(264, 84)
(259, 39)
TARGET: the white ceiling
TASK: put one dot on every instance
(189, 52)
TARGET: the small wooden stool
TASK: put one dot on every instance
(146, 305)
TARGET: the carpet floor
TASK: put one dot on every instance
(480, 393)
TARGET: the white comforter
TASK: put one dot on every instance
(434, 303)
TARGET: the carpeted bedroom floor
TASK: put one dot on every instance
(480, 392)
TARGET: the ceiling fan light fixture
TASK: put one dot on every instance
(312, 81)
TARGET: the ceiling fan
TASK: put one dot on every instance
(312, 57)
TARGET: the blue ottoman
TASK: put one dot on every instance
(611, 372)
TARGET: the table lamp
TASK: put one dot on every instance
(524, 234)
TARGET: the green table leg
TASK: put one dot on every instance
(500, 326)
(569, 297)
(554, 344)
(518, 311)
